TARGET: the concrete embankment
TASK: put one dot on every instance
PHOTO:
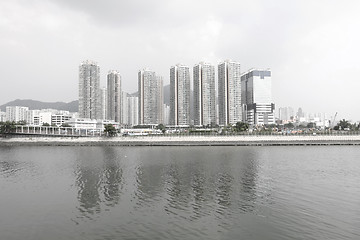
(185, 141)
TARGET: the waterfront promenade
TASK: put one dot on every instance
(217, 140)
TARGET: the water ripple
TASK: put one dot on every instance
(180, 193)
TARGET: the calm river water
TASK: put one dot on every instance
(180, 192)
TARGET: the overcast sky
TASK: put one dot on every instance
(312, 47)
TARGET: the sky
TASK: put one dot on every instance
(311, 47)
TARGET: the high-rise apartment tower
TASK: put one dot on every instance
(89, 90)
(229, 93)
(180, 95)
(103, 100)
(114, 96)
(204, 95)
(150, 92)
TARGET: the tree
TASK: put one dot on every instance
(65, 125)
(311, 125)
(227, 129)
(21, 122)
(7, 128)
(289, 125)
(213, 125)
(273, 125)
(46, 125)
(241, 127)
(161, 127)
(342, 125)
(110, 130)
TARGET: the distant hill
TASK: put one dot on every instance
(71, 106)
(33, 104)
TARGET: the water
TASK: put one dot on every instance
(180, 192)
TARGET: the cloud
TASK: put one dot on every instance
(308, 45)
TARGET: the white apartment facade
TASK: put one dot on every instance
(124, 109)
(167, 111)
(89, 90)
(204, 94)
(61, 118)
(150, 93)
(2, 116)
(133, 109)
(16, 113)
(229, 93)
(179, 95)
(103, 101)
(114, 95)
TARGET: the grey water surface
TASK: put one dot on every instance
(180, 192)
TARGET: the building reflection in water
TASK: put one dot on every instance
(212, 180)
(248, 181)
(177, 186)
(99, 179)
(88, 180)
(113, 177)
(185, 182)
(149, 172)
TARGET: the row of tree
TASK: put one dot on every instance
(342, 125)
(7, 128)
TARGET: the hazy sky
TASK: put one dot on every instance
(312, 47)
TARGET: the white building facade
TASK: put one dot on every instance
(133, 110)
(229, 93)
(204, 95)
(103, 101)
(33, 117)
(167, 111)
(114, 95)
(89, 90)
(150, 92)
(124, 109)
(61, 118)
(256, 97)
(179, 95)
(2, 116)
(16, 113)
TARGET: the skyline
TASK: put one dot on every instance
(311, 47)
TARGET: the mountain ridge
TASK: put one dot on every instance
(72, 106)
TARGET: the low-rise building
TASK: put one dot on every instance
(33, 117)
(101, 124)
(16, 113)
(2, 116)
(82, 123)
(61, 117)
(87, 123)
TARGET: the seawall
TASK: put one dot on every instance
(271, 140)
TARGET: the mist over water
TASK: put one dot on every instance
(180, 192)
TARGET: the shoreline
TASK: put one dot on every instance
(269, 140)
